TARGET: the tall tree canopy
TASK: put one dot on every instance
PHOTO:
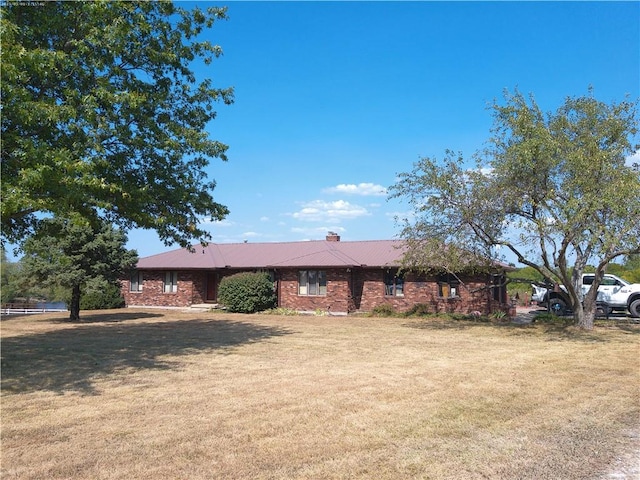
(9, 289)
(553, 188)
(72, 253)
(102, 116)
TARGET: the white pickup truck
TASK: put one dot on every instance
(614, 293)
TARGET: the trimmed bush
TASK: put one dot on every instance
(99, 299)
(247, 292)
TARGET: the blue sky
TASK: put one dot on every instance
(334, 99)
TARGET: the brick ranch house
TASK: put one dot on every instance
(329, 275)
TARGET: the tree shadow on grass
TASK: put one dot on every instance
(561, 331)
(568, 331)
(71, 358)
(120, 315)
(100, 316)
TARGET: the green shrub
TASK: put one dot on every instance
(419, 310)
(247, 292)
(105, 297)
(384, 310)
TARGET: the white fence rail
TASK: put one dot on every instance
(27, 308)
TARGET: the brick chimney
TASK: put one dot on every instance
(333, 237)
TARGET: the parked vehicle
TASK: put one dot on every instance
(614, 294)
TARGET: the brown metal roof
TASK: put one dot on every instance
(322, 253)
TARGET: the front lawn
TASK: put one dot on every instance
(134, 394)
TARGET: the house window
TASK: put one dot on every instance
(393, 283)
(499, 288)
(312, 282)
(170, 282)
(135, 281)
(448, 286)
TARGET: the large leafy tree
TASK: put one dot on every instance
(9, 272)
(552, 188)
(102, 116)
(73, 253)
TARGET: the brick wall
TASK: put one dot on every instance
(336, 299)
(191, 290)
(369, 292)
(347, 291)
(198, 286)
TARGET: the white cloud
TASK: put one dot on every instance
(633, 159)
(363, 189)
(264, 219)
(321, 211)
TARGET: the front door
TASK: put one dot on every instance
(212, 287)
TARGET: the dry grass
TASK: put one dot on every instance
(149, 395)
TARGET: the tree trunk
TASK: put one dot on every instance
(74, 308)
(585, 314)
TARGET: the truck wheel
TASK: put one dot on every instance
(558, 306)
(634, 308)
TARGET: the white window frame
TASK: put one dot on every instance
(170, 283)
(312, 283)
(138, 282)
